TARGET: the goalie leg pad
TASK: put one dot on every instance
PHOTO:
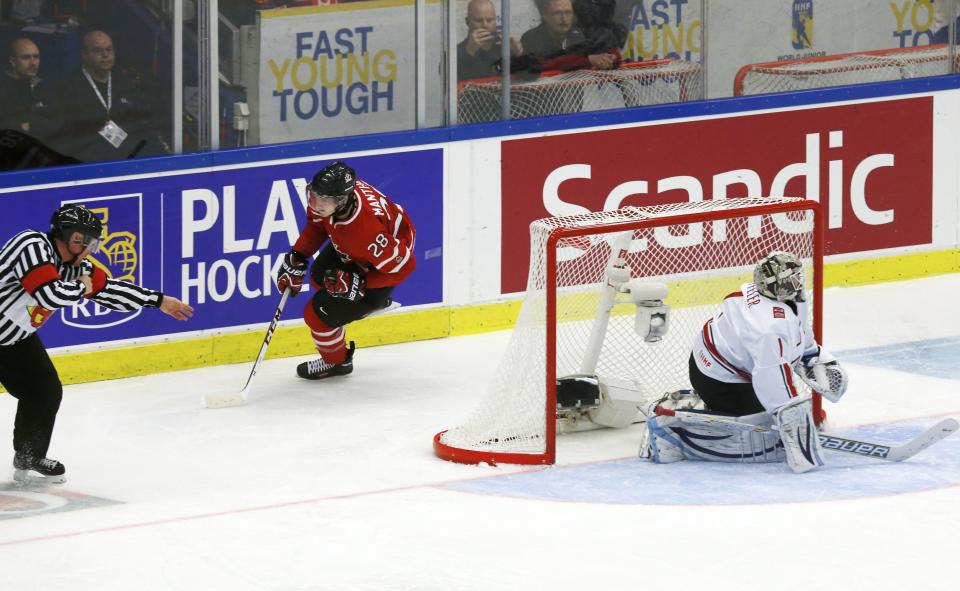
(712, 438)
(661, 444)
(677, 400)
(795, 423)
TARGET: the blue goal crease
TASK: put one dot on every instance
(635, 481)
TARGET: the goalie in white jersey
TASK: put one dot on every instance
(742, 367)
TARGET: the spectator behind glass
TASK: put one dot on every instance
(479, 54)
(100, 112)
(20, 87)
(593, 46)
(555, 33)
(603, 37)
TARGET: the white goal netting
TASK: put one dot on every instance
(631, 85)
(701, 261)
(839, 70)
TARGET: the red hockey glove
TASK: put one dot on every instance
(291, 273)
(344, 284)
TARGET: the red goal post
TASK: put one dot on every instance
(701, 251)
(842, 69)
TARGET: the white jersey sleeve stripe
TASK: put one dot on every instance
(712, 349)
(400, 265)
(396, 225)
(389, 259)
(788, 380)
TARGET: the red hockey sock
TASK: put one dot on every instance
(328, 340)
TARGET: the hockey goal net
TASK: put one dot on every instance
(557, 93)
(842, 69)
(576, 318)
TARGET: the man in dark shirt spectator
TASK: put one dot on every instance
(479, 54)
(100, 113)
(19, 89)
(555, 33)
(556, 44)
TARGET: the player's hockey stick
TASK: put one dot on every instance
(213, 400)
(892, 453)
(867, 449)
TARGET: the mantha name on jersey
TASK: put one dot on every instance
(752, 338)
(35, 282)
(378, 237)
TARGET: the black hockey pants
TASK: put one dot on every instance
(29, 376)
(336, 311)
(734, 399)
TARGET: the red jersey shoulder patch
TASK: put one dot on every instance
(778, 312)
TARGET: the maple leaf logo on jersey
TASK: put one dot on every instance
(778, 312)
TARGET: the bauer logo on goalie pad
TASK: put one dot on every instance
(857, 447)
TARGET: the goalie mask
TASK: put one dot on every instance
(779, 276)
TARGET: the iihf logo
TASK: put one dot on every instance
(119, 256)
(801, 31)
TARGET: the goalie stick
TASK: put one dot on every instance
(866, 449)
(891, 453)
(213, 400)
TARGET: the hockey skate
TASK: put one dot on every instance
(319, 369)
(50, 471)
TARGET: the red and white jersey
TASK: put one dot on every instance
(752, 338)
(378, 237)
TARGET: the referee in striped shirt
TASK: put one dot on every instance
(40, 272)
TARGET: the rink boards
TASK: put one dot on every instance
(209, 228)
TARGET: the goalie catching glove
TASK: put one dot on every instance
(291, 273)
(823, 373)
(347, 285)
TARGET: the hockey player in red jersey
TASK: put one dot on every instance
(368, 252)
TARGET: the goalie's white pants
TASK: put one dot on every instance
(697, 435)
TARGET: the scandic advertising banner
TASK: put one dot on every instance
(215, 239)
(875, 187)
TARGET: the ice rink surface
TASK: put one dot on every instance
(333, 485)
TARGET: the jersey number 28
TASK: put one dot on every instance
(379, 243)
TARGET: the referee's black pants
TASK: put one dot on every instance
(29, 376)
